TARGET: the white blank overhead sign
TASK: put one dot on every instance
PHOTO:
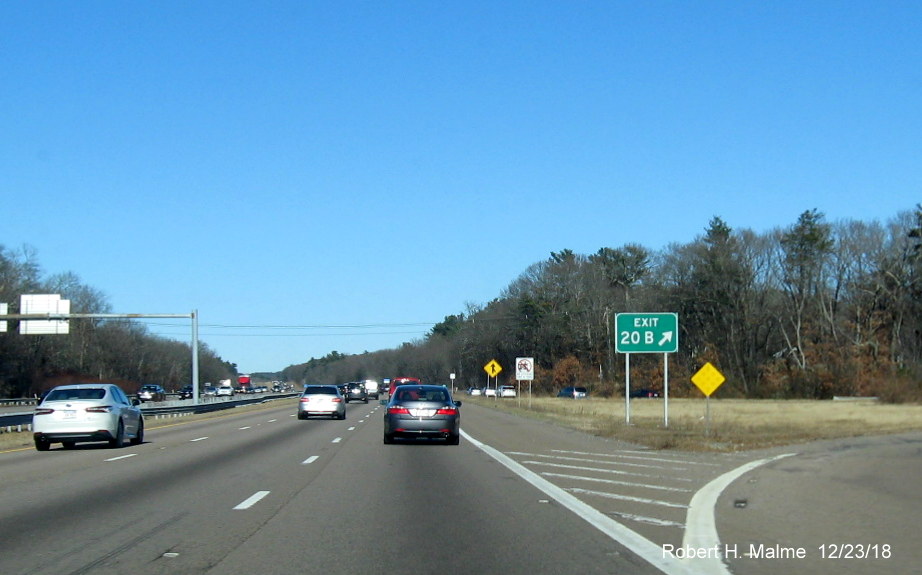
(39, 304)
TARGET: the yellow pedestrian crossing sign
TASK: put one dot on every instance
(493, 368)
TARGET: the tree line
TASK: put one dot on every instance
(115, 350)
(811, 310)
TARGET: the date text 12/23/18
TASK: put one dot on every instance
(762, 551)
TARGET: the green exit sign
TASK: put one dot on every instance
(647, 333)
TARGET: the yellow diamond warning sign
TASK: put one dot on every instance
(708, 379)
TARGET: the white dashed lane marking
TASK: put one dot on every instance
(251, 500)
(122, 457)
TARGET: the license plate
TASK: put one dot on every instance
(70, 414)
(422, 412)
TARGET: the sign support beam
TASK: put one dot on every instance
(67, 316)
(646, 333)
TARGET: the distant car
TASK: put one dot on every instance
(422, 411)
(185, 392)
(474, 391)
(574, 392)
(210, 390)
(152, 393)
(87, 412)
(506, 391)
(489, 392)
(321, 400)
(644, 393)
(225, 390)
(371, 388)
(355, 391)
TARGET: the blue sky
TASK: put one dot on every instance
(319, 176)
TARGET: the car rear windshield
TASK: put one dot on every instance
(422, 395)
(72, 394)
(320, 391)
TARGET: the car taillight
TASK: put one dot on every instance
(102, 409)
(305, 399)
(43, 411)
(447, 411)
(337, 400)
(398, 411)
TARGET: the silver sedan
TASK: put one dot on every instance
(322, 400)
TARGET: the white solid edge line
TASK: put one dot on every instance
(252, 500)
(638, 544)
(700, 522)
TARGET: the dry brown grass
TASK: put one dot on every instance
(735, 424)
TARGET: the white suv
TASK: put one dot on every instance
(371, 388)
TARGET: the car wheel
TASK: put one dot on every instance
(388, 439)
(119, 438)
(453, 440)
(301, 416)
(365, 400)
(138, 439)
(42, 445)
(342, 415)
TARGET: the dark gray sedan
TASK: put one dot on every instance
(422, 411)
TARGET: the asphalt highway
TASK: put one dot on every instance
(265, 493)
(262, 492)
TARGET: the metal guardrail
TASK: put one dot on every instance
(17, 402)
(21, 421)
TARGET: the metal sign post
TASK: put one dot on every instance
(493, 368)
(708, 379)
(627, 388)
(524, 371)
(646, 333)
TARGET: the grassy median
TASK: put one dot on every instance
(17, 440)
(734, 425)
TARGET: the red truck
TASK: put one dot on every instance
(243, 384)
(401, 381)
